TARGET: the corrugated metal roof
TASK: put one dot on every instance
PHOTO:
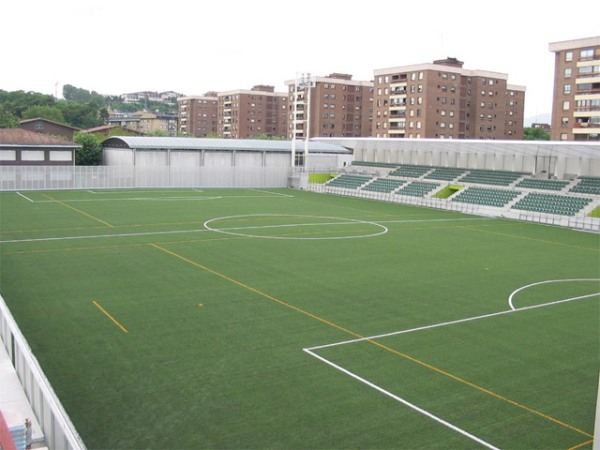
(251, 145)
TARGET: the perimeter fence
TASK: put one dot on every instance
(23, 178)
(59, 432)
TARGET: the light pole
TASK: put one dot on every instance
(303, 82)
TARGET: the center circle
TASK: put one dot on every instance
(248, 225)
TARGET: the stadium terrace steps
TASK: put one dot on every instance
(563, 205)
(493, 177)
(418, 188)
(349, 181)
(542, 184)
(445, 173)
(519, 191)
(498, 198)
(587, 185)
(410, 171)
(384, 185)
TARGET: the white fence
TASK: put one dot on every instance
(21, 178)
(59, 432)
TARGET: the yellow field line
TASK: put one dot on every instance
(583, 444)
(391, 350)
(79, 211)
(479, 388)
(115, 321)
(256, 291)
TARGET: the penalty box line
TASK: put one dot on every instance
(402, 401)
(312, 352)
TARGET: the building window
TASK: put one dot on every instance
(568, 56)
(567, 89)
(563, 136)
(566, 105)
(568, 72)
(586, 54)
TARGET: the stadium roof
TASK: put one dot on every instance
(510, 147)
(249, 145)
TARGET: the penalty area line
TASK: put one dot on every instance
(402, 401)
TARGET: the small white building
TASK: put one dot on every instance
(185, 152)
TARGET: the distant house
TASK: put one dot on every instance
(26, 148)
(543, 126)
(45, 126)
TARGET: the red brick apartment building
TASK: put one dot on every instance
(576, 97)
(198, 115)
(339, 106)
(247, 114)
(442, 100)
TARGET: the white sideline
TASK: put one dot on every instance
(25, 197)
(403, 401)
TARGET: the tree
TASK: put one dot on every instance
(8, 119)
(47, 112)
(535, 134)
(17, 102)
(80, 115)
(90, 153)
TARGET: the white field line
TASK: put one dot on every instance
(452, 322)
(277, 194)
(230, 231)
(126, 199)
(401, 400)
(311, 352)
(25, 197)
(511, 296)
(137, 191)
(97, 236)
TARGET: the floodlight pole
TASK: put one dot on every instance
(294, 118)
(307, 90)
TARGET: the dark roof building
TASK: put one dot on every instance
(27, 148)
(45, 126)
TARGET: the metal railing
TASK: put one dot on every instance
(59, 432)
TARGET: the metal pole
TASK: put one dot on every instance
(307, 87)
(294, 121)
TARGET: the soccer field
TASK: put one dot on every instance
(188, 318)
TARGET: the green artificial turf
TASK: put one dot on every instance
(197, 319)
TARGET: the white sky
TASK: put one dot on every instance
(195, 46)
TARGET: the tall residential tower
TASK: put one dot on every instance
(444, 101)
(576, 98)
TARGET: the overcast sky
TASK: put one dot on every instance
(194, 46)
